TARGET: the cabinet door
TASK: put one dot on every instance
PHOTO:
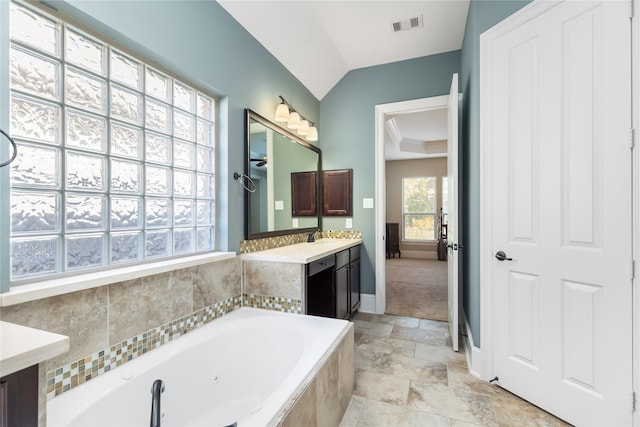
(354, 284)
(342, 293)
(337, 192)
(303, 194)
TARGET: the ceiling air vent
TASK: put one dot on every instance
(407, 24)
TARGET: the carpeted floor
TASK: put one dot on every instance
(417, 288)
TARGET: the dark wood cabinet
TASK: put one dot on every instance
(393, 240)
(342, 292)
(19, 398)
(337, 186)
(333, 285)
(303, 194)
(354, 280)
(321, 287)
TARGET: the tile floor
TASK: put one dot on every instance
(407, 375)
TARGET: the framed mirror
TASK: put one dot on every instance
(280, 164)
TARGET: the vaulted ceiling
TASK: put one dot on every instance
(319, 41)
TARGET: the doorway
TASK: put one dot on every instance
(412, 264)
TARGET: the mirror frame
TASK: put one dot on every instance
(252, 115)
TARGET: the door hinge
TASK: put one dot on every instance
(632, 269)
(632, 137)
(630, 9)
(633, 401)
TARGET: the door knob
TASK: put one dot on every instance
(501, 256)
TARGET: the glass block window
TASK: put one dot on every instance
(116, 158)
(419, 204)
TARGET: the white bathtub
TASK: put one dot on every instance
(244, 367)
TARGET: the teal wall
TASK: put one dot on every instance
(483, 14)
(348, 131)
(201, 42)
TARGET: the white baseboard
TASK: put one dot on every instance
(368, 303)
(420, 254)
(474, 356)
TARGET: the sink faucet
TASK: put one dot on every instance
(311, 237)
(156, 390)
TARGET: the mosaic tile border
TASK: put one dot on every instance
(73, 374)
(287, 305)
(248, 246)
(342, 234)
(256, 245)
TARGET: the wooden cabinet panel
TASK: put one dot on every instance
(354, 285)
(342, 293)
(337, 192)
(303, 194)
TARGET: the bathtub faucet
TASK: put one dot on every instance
(156, 390)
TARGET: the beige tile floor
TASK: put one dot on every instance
(407, 375)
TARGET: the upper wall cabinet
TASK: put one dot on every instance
(337, 192)
(303, 194)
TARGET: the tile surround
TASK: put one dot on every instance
(113, 324)
(66, 377)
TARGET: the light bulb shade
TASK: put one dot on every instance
(282, 113)
(313, 134)
(294, 120)
(303, 129)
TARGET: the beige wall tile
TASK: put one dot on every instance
(138, 305)
(216, 282)
(82, 316)
(346, 369)
(328, 399)
(273, 278)
(304, 413)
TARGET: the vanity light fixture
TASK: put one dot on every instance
(295, 121)
(282, 112)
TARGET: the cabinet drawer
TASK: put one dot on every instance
(355, 252)
(342, 259)
(319, 265)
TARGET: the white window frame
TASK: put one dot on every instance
(434, 214)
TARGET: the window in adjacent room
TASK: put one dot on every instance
(115, 162)
(419, 203)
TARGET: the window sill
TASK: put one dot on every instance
(51, 288)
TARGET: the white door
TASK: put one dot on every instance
(452, 210)
(557, 114)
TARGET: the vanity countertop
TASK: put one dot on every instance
(303, 253)
(21, 347)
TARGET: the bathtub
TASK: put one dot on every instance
(246, 367)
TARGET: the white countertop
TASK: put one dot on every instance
(303, 253)
(21, 347)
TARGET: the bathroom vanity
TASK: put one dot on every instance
(21, 350)
(320, 278)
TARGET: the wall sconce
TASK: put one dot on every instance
(295, 121)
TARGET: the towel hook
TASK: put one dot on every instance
(244, 182)
(13, 145)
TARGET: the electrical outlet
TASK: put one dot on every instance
(349, 223)
(295, 223)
